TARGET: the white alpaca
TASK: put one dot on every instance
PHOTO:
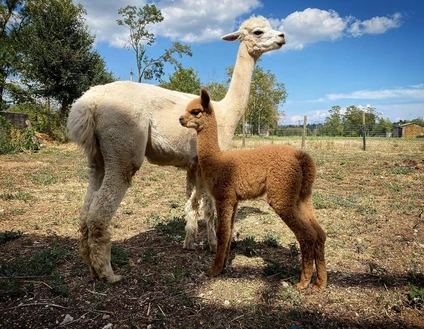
(121, 123)
(281, 173)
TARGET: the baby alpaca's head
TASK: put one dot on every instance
(194, 115)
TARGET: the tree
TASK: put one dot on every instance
(352, 120)
(217, 90)
(266, 95)
(56, 59)
(333, 125)
(137, 20)
(7, 53)
(184, 80)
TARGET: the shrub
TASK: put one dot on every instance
(14, 140)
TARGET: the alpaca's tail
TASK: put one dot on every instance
(309, 172)
(81, 125)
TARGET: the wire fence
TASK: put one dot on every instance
(350, 140)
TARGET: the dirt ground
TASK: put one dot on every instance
(369, 203)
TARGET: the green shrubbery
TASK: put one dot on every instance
(14, 140)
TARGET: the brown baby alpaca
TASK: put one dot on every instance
(281, 173)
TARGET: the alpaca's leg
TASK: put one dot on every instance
(191, 209)
(305, 234)
(319, 256)
(233, 217)
(224, 211)
(96, 173)
(103, 206)
(208, 210)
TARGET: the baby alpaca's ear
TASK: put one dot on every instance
(205, 98)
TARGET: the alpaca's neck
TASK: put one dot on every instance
(230, 110)
(207, 142)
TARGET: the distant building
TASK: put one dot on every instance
(408, 130)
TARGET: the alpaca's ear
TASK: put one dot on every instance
(232, 36)
(205, 98)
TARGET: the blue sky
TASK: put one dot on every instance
(362, 52)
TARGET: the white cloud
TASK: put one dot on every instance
(208, 20)
(414, 92)
(375, 25)
(314, 25)
(296, 119)
(184, 20)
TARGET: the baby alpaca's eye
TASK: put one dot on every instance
(258, 32)
(195, 112)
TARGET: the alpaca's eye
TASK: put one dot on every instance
(195, 112)
(258, 32)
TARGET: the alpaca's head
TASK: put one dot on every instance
(197, 111)
(258, 35)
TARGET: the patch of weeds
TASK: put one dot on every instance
(374, 268)
(247, 246)
(45, 261)
(173, 281)
(7, 236)
(150, 256)
(146, 283)
(101, 286)
(17, 211)
(271, 240)
(289, 273)
(44, 177)
(294, 249)
(292, 296)
(342, 202)
(319, 201)
(415, 276)
(415, 296)
(23, 196)
(394, 187)
(160, 319)
(11, 288)
(129, 212)
(174, 229)
(361, 246)
(59, 287)
(365, 210)
(401, 170)
(173, 204)
(119, 256)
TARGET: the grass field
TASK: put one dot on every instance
(369, 203)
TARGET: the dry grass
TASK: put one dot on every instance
(369, 203)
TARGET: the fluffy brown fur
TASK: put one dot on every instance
(282, 173)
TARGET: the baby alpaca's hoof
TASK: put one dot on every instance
(317, 287)
(301, 285)
(213, 272)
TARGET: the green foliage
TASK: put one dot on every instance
(14, 140)
(43, 262)
(9, 236)
(174, 229)
(55, 59)
(184, 80)
(136, 20)
(119, 256)
(247, 246)
(290, 273)
(271, 240)
(266, 95)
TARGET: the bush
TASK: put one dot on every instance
(14, 140)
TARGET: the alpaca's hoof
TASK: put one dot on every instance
(317, 287)
(301, 285)
(212, 247)
(189, 245)
(113, 278)
(213, 272)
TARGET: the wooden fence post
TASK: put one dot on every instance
(364, 131)
(304, 132)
